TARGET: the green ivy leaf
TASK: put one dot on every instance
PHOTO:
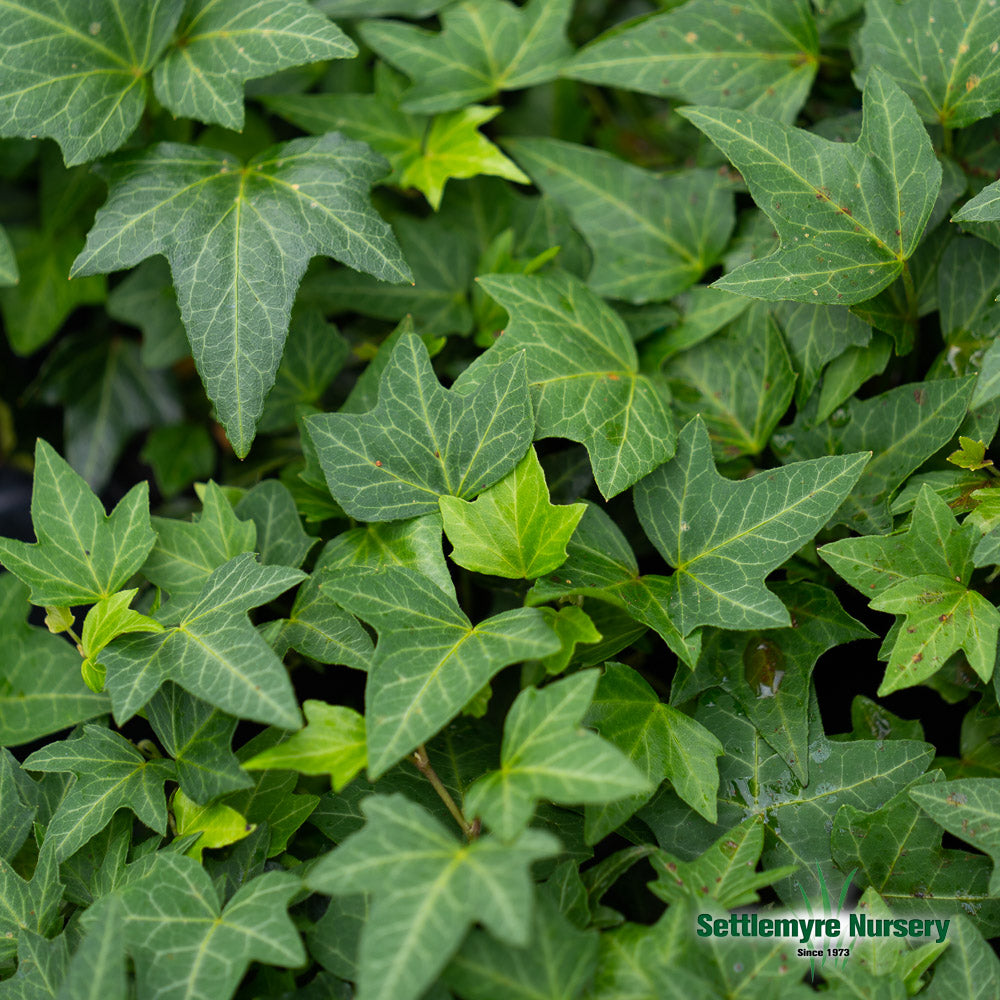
(76, 72)
(9, 274)
(652, 236)
(97, 969)
(281, 540)
(211, 650)
(224, 227)
(185, 945)
(28, 904)
(333, 743)
(41, 965)
(761, 55)
(584, 376)
(485, 46)
(724, 537)
(82, 554)
(427, 889)
(110, 775)
(547, 755)
(939, 52)
(111, 617)
(661, 741)
(970, 455)
(969, 969)
(218, 824)
(511, 530)
(422, 441)
(430, 659)
(223, 43)
(849, 216)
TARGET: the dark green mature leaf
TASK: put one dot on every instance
(430, 659)
(848, 215)
(484, 46)
(145, 298)
(224, 227)
(985, 207)
(281, 540)
(76, 72)
(81, 554)
(724, 537)
(97, 969)
(428, 889)
(211, 650)
(179, 454)
(940, 52)
(41, 690)
(223, 43)
(18, 813)
(28, 905)
(661, 741)
(761, 55)
(111, 774)
(422, 441)
(652, 236)
(584, 376)
(547, 755)
(41, 966)
(185, 946)
(968, 970)
(902, 428)
(8, 263)
(512, 529)
(897, 850)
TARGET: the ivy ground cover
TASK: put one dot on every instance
(498, 499)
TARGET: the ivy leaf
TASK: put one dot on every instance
(81, 554)
(223, 43)
(41, 965)
(511, 530)
(218, 824)
(110, 775)
(761, 55)
(601, 565)
(848, 215)
(225, 228)
(724, 537)
(280, 538)
(76, 72)
(652, 236)
(661, 741)
(970, 455)
(97, 969)
(19, 814)
(485, 46)
(211, 650)
(969, 969)
(430, 659)
(333, 743)
(427, 890)
(111, 617)
(185, 946)
(584, 376)
(547, 755)
(968, 808)
(8, 262)
(28, 905)
(41, 690)
(985, 207)
(949, 70)
(422, 441)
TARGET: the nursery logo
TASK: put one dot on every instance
(827, 937)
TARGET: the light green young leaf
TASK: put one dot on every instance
(186, 552)
(111, 617)
(725, 872)
(185, 945)
(940, 616)
(211, 650)
(724, 537)
(430, 659)
(661, 741)
(546, 754)
(333, 743)
(81, 554)
(76, 72)
(422, 441)
(761, 55)
(970, 809)
(218, 824)
(97, 969)
(939, 51)
(584, 375)
(40, 687)
(223, 43)
(652, 236)
(110, 775)
(512, 529)
(574, 627)
(740, 381)
(225, 227)
(29, 905)
(485, 46)
(428, 889)
(601, 565)
(849, 215)
(281, 540)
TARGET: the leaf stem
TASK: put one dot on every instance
(946, 140)
(422, 763)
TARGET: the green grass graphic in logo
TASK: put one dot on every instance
(828, 912)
